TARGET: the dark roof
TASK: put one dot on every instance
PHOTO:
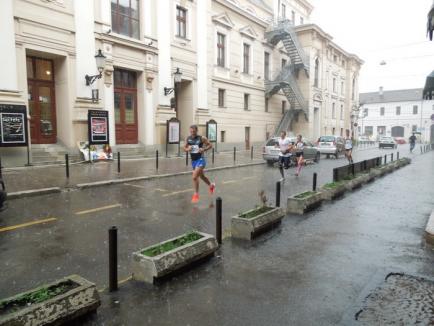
(401, 95)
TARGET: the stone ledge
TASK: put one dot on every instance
(429, 230)
(33, 192)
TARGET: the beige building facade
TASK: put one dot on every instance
(235, 58)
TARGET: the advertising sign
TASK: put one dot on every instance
(211, 131)
(173, 131)
(98, 127)
(13, 125)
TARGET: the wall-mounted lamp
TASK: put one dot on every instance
(177, 77)
(100, 64)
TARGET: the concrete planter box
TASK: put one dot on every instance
(247, 228)
(333, 193)
(59, 309)
(403, 161)
(302, 205)
(429, 230)
(148, 269)
(357, 182)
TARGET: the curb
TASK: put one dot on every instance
(33, 192)
(158, 176)
(429, 230)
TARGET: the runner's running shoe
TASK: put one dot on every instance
(195, 198)
(211, 188)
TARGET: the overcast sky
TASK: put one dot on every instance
(377, 30)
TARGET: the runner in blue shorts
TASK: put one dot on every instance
(197, 145)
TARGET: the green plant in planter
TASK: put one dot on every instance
(305, 194)
(332, 185)
(178, 242)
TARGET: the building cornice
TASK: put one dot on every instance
(306, 4)
(232, 6)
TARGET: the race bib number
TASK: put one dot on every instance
(195, 149)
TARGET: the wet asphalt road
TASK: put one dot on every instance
(320, 262)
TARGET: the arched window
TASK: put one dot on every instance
(316, 80)
(353, 89)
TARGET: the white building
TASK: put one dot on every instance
(397, 113)
(254, 66)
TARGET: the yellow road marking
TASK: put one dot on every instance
(177, 192)
(93, 210)
(162, 190)
(23, 225)
(135, 186)
(229, 181)
(125, 280)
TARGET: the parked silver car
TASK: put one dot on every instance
(271, 152)
(387, 142)
(331, 145)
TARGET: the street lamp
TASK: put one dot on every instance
(177, 77)
(100, 64)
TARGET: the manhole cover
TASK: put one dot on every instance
(401, 300)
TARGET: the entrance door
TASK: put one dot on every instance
(125, 105)
(41, 97)
(247, 137)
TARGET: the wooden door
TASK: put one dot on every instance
(125, 105)
(42, 103)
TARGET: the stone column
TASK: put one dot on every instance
(202, 48)
(8, 76)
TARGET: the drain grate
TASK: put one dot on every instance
(401, 300)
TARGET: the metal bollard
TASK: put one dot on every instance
(278, 194)
(385, 159)
(113, 259)
(314, 181)
(1, 169)
(391, 157)
(119, 162)
(67, 165)
(213, 155)
(397, 155)
(335, 175)
(421, 150)
(251, 153)
(156, 159)
(186, 158)
(352, 169)
(218, 220)
(235, 154)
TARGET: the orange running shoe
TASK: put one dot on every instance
(195, 198)
(211, 188)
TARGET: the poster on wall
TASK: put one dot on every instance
(13, 125)
(98, 127)
(211, 131)
(173, 131)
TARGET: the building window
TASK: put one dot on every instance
(365, 112)
(301, 20)
(283, 64)
(246, 57)
(342, 112)
(316, 80)
(342, 132)
(414, 128)
(353, 89)
(266, 66)
(221, 94)
(335, 58)
(181, 22)
(283, 107)
(334, 85)
(398, 110)
(382, 111)
(246, 102)
(333, 111)
(415, 108)
(369, 130)
(343, 63)
(293, 16)
(283, 14)
(334, 131)
(266, 105)
(342, 88)
(221, 51)
(222, 136)
(125, 17)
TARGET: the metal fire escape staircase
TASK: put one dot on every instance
(286, 79)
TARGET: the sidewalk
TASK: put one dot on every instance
(42, 177)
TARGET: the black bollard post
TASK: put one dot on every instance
(278, 194)
(385, 159)
(67, 165)
(1, 169)
(251, 153)
(213, 155)
(421, 150)
(335, 175)
(314, 182)
(235, 154)
(156, 159)
(119, 162)
(352, 169)
(391, 157)
(186, 158)
(218, 220)
(113, 259)
(397, 155)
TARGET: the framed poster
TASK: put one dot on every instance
(211, 131)
(13, 125)
(173, 131)
(98, 127)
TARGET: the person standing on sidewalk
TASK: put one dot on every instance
(299, 146)
(412, 140)
(196, 145)
(348, 147)
(285, 147)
